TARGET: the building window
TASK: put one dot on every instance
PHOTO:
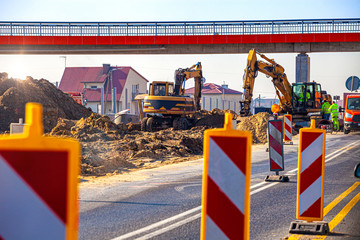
(203, 102)
(93, 87)
(217, 103)
(210, 104)
(134, 91)
(126, 98)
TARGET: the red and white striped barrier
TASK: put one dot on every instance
(311, 167)
(43, 210)
(38, 183)
(226, 184)
(276, 150)
(287, 127)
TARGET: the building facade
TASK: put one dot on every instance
(117, 85)
(216, 96)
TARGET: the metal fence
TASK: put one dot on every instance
(178, 28)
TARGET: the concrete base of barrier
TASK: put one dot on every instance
(276, 178)
(304, 227)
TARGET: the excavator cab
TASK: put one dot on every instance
(306, 97)
(161, 88)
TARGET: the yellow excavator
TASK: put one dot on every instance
(166, 104)
(302, 100)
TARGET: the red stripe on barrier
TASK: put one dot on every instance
(228, 144)
(310, 174)
(275, 145)
(274, 165)
(30, 165)
(223, 212)
(277, 125)
(287, 128)
(314, 211)
(308, 139)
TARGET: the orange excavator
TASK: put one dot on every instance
(302, 100)
(166, 104)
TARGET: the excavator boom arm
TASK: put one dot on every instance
(269, 68)
(182, 75)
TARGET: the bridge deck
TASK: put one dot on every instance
(320, 35)
(179, 28)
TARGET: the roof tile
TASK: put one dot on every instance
(212, 88)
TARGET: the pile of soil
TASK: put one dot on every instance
(212, 119)
(108, 147)
(15, 93)
(257, 124)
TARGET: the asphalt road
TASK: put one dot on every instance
(165, 203)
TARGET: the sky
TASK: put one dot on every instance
(329, 69)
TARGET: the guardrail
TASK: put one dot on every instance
(179, 28)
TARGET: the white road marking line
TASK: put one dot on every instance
(170, 227)
(157, 224)
(258, 185)
(192, 218)
(263, 188)
(344, 150)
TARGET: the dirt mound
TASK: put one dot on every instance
(63, 127)
(212, 119)
(138, 149)
(257, 125)
(108, 147)
(14, 94)
(90, 129)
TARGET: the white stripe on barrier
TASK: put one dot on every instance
(311, 153)
(288, 134)
(287, 121)
(310, 195)
(213, 232)
(24, 214)
(275, 156)
(226, 175)
(275, 133)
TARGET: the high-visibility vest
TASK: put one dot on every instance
(325, 108)
(334, 109)
(301, 98)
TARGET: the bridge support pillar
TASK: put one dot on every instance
(302, 68)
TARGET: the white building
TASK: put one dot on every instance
(89, 81)
(215, 96)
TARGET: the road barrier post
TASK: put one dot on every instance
(226, 183)
(38, 183)
(276, 151)
(310, 182)
(288, 129)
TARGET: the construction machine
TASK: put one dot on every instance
(302, 100)
(166, 104)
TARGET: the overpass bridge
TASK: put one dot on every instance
(204, 37)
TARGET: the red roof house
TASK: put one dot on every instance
(216, 96)
(212, 88)
(89, 80)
